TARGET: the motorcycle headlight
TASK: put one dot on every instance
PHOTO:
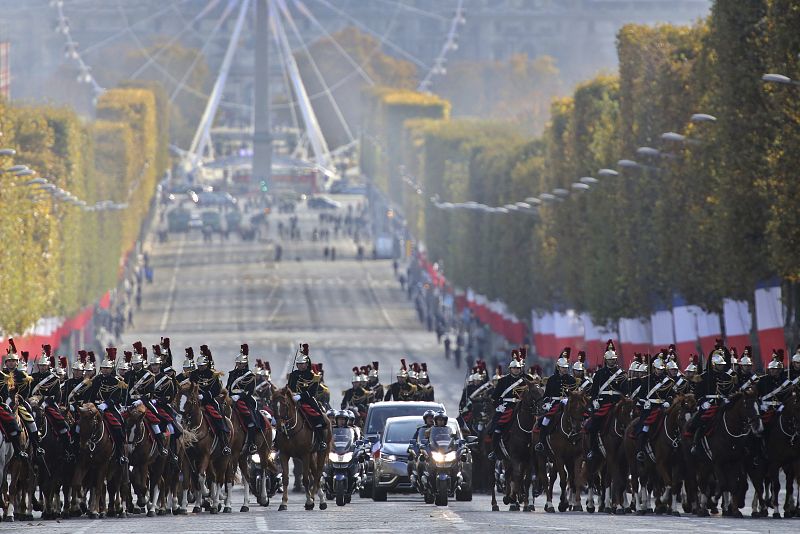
(439, 457)
(340, 458)
(255, 458)
(273, 455)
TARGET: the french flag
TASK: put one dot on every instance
(595, 338)
(738, 323)
(548, 329)
(662, 329)
(568, 330)
(635, 335)
(709, 329)
(686, 328)
(769, 319)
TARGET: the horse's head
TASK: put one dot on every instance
(89, 419)
(532, 395)
(135, 415)
(684, 405)
(624, 410)
(189, 398)
(744, 405)
(282, 403)
(577, 402)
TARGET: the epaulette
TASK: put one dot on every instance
(121, 383)
(317, 378)
(28, 378)
(218, 373)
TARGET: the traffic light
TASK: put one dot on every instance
(264, 187)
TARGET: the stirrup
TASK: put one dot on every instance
(539, 447)
(123, 459)
(226, 450)
(22, 454)
(640, 456)
(252, 449)
(164, 451)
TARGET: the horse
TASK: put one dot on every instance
(723, 444)
(97, 467)
(783, 449)
(610, 466)
(52, 469)
(479, 426)
(295, 439)
(20, 491)
(660, 468)
(515, 467)
(176, 479)
(146, 461)
(211, 465)
(564, 445)
(263, 443)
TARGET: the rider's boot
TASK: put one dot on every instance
(119, 441)
(594, 445)
(696, 449)
(162, 445)
(226, 448)
(641, 444)
(33, 435)
(18, 452)
(66, 444)
(496, 453)
(544, 431)
(251, 440)
(322, 436)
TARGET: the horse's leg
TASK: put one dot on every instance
(495, 507)
(773, 475)
(320, 469)
(788, 503)
(563, 478)
(201, 485)
(284, 481)
(245, 482)
(551, 481)
(307, 482)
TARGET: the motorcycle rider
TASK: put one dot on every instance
(241, 385)
(304, 384)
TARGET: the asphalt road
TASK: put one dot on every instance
(226, 293)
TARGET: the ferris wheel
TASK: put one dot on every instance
(226, 32)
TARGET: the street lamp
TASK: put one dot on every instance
(606, 172)
(648, 151)
(703, 117)
(591, 180)
(8, 152)
(578, 186)
(627, 164)
(779, 78)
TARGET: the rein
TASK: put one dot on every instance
(728, 431)
(283, 422)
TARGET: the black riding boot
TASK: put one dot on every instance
(162, 445)
(66, 443)
(594, 445)
(119, 442)
(17, 447)
(226, 448)
(641, 444)
(251, 440)
(35, 444)
(322, 436)
(497, 452)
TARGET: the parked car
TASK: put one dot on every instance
(322, 203)
(377, 415)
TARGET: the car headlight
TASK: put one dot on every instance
(255, 458)
(389, 457)
(447, 457)
(340, 458)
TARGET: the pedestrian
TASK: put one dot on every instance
(395, 265)
(402, 282)
(139, 299)
(326, 251)
(333, 253)
(148, 273)
(130, 317)
(447, 348)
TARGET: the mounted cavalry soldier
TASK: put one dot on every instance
(402, 390)
(241, 386)
(718, 382)
(263, 390)
(74, 387)
(794, 368)
(323, 392)
(693, 378)
(165, 388)
(374, 385)
(657, 398)
(142, 391)
(582, 382)
(773, 387)
(137, 370)
(610, 384)
(106, 392)
(14, 382)
(207, 379)
(746, 377)
(506, 395)
(556, 393)
(305, 385)
(45, 383)
(682, 386)
(188, 366)
(357, 395)
(424, 386)
(16, 389)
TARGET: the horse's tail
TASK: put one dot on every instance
(188, 438)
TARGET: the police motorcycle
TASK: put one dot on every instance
(442, 458)
(344, 471)
(265, 482)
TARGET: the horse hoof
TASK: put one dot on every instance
(160, 512)
(102, 515)
(227, 510)
(323, 506)
(776, 515)
(527, 508)
(282, 508)
(8, 519)
(714, 511)
(214, 511)
(702, 513)
(641, 512)
(754, 514)
(562, 507)
(577, 508)
(549, 509)
(65, 514)
(506, 500)
(94, 515)
(122, 515)
(737, 514)
(513, 508)
(309, 506)
(181, 511)
(196, 510)
(590, 510)
(676, 513)
(151, 513)
(244, 509)
(495, 508)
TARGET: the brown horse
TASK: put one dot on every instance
(515, 467)
(662, 452)
(98, 469)
(610, 465)
(724, 446)
(564, 446)
(263, 443)
(295, 439)
(18, 504)
(206, 455)
(783, 449)
(145, 459)
(52, 470)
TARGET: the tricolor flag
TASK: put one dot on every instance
(738, 323)
(635, 335)
(686, 329)
(595, 338)
(709, 329)
(568, 330)
(662, 329)
(769, 319)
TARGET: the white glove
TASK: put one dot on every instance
(666, 405)
(596, 404)
(564, 401)
(102, 407)
(501, 408)
(296, 397)
(706, 405)
(235, 397)
(647, 405)
(200, 396)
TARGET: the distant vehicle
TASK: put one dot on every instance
(212, 219)
(322, 203)
(176, 191)
(178, 220)
(195, 221)
(355, 189)
(338, 186)
(213, 198)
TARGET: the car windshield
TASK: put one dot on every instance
(342, 438)
(401, 431)
(379, 414)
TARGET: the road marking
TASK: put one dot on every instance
(455, 521)
(173, 283)
(87, 527)
(274, 312)
(261, 524)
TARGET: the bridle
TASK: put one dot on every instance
(281, 403)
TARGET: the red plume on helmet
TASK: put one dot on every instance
(375, 365)
(425, 367)
(157, 350)
(24, 354)
(304, 348)
(259, 363)
(144, 353)
(62, 361)
(499, 370)
(581, 356)
(245, 348)
(538, 369)
(780, 355)
(189, 353)
(314, 368)
(46, 350)
(403, 364)
(718, 344)
(138, 347)
(523, 353)
(82, 355)
(356, 371)
(111, 353)
(610, 345)
(267, 367)
(127, 356)
(91, 357)
(12, 348)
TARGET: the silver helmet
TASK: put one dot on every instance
(244, 352)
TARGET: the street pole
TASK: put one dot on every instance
(262, 134)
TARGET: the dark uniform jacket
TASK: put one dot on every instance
(465, 393)
(400, 392)
(716, 384)
(354, 397)
(305, 383)
(768, 384)
(241, 382)
(16, 382)
(71, 392)
(106, 388)
(376, 392)
(46, 384)
(509, 388)
(208, 380)
(165, 388)
(559, 385)
(425, 392)
(609, 383)
(660, 389)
